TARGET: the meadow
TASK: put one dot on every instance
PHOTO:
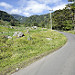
(20, 52)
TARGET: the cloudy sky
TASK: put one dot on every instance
(31, 7)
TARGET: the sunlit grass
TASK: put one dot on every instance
(16, 51)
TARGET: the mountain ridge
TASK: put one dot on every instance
(61, 19)
(19, 18)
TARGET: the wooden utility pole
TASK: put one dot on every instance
(51, 19)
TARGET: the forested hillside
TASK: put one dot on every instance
(7, 19)
(20, 18)
(62, 19)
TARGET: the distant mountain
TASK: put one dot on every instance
(20, 18)
(61, 19)
(6, 17)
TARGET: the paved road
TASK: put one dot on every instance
(60, 62)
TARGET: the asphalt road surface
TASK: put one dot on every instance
(60, 62)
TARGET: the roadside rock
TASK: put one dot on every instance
(9, 37)
(34, 27)
(11, 27)
(18, 34)
(15, 34)
(17, 69)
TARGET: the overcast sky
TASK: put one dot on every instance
(31, 7)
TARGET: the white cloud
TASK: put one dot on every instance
(15, 11)
(31, 7)
(22, 2)
(26, 14)
(59, 7)
(49, 1)
(5, 5)
(35, 7)
(19, 11)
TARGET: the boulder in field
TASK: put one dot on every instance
(18, 34)
(15, 34)
(11, 27)
(34, 27)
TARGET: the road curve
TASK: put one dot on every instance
(60, 62)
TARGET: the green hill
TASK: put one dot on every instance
(20, 18)
(7, 19)
(62, 19)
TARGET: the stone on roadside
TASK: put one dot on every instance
(9, 37)
(34, 27)
(18, 34)
(17, 69)
(11, 27)
(15, 34)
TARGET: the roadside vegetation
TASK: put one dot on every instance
(19, 52)
(73, 32)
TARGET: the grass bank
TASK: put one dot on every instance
(20, 52)
(72, 32)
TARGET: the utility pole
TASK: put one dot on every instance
(74, 12)
(50, 19)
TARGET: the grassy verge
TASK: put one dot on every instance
(20, 52)
(73, 32)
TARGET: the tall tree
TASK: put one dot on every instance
(74, 12)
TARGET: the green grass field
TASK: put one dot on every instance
(19, 52)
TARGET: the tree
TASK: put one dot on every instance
(70, 0)
(35, 24)
(12, 23)
(73, 11)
